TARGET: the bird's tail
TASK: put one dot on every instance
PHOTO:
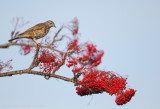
(13, 39)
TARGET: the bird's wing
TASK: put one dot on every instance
(34, 28)
(31, 31)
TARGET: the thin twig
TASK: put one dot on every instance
(58, 66)
(56, 35)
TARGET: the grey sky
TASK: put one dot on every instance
(127, 30)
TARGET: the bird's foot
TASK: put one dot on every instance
(39, 45)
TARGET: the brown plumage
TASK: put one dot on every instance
(36, 32)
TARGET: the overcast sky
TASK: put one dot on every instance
(127, 30)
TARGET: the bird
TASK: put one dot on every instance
(36, 32)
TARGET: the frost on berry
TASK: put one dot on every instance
(74, 26)
(5, 66)
(46, 57)
(125, 97)
(73, 45)
(24, 50)
(101, 81)
(90, 56)
(76, 70)
(49, 61)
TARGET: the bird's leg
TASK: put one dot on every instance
(38, 44)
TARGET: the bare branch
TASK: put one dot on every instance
(17, 44)
(17, 23)
(26, 71)
(35, 61)
(56, 35)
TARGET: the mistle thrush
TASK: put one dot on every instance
(36, 32)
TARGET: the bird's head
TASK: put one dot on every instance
(50, 23)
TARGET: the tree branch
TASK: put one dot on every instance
(26, 71)
(56, 35)
(35, 61)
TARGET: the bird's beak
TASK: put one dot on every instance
(55, 26)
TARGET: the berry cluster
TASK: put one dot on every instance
(49, 61)
(95, 81)
(25, 50)
(125, 97)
